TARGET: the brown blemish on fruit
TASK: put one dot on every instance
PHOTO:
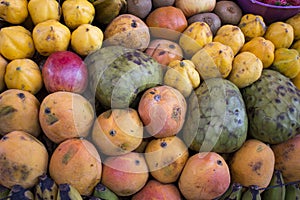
(7, 110)
(176, 113)
(256, 167)
(69, 155)
(51, 119)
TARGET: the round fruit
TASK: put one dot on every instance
(16, 42)
(166, 158)
(19, 110)
(166, 22)
(43, 10)
(86, 38)
(77, 12)
(232, 36)
(76, 162)
(272, 104)
(228, 11)
(213, 60)
(128, 31)
(253, 164)
(125, 174)
(281, 30)
(51, 36)
(23, 74)
(205, 176)
(252, 26)
(117, 131)
(182, 76)
(14, 11)
(65, 115)
(286, 158)
(246, 69)
(162, 110)
(65, 71)
(23, 158)
(287, 62)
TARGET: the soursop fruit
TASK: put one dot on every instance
(273, 107)
(118, 75)
(216, 119)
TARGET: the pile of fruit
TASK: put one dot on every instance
(140, 99)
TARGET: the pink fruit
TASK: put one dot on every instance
(65, 71)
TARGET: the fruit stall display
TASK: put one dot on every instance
(141, 99)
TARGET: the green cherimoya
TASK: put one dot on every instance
(118, 75)
(217, 119)
(273, 107)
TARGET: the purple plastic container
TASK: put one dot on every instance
(270, 13)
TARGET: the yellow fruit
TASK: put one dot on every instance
(182, 76)
(262, 48)
(3, 64)
(252, 26)
(19, 111)
(194, 37)
(117, 131)
(295, 23)
(253, 164)
(246, 69)
(23, 158)
(281, 34)
(14, 11)
(43, 10)
(23, 74)
(287, 62)
(213, 60)
(232, 36)
(86, 38)
(16, 42)
(77, 12)
(50, 36)
(166, 158)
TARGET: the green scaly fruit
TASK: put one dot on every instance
(234, 192)
(277, 188)
(4, 191)
(68, 192)
(101, 191)
(273, 107)
(216, 118)
(292, 192)
(252, 193)
(119, 75)
(107, 10)
(18, 192)
(46, 189)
